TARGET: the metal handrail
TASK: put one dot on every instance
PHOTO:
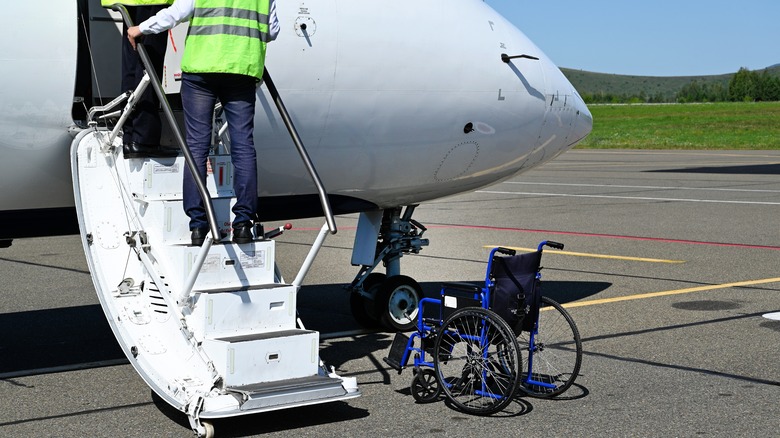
(202, 190)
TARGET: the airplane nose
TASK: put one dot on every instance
(583, 122)
(563, 95)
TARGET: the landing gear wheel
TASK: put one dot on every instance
(398, 301)
(364, 309)
(425, 387)
(476, 360)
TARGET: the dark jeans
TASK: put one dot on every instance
(143, 125)
(199, 94)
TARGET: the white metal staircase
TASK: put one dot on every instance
(212, 329)
(230, 346)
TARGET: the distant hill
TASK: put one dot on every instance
(663, 86)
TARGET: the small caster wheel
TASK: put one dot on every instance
(209, 429)
(425, 387)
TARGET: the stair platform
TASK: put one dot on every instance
(292, 391)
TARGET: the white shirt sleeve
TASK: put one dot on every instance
(273, 22)
(180, 10)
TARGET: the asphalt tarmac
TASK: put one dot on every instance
(671, 259)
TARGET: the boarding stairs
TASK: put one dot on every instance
(212, 329)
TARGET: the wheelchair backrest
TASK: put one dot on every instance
(516, 295)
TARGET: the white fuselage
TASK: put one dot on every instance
(380, 92)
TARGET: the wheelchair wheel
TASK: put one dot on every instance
(555, 354)
(425, 387)
(476, 360)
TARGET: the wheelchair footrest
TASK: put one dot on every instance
(397, 352)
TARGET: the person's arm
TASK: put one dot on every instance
(273, 22)
(166, 19)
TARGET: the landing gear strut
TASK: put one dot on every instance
(391, 300)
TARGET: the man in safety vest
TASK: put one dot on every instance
(224, 56)
(143, 127)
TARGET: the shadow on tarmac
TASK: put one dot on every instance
(267, 422)
(54, 338)
(755, 169)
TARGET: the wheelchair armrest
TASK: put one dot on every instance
(466, 287)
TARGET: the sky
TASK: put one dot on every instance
(651, 37)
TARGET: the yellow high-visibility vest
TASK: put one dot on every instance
(227, 36)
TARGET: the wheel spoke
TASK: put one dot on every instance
(477, 361)
(556, 353)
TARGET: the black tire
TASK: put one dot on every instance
(556, 354)
(398, 303)
(374, 279)
(425, 388)
(364, 309)
(476, 360)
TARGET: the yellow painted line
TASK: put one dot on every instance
(672, 292)
(595, 256)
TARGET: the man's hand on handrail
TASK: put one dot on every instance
(132, 34)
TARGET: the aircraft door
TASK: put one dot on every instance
(103, 56)
(105, 53)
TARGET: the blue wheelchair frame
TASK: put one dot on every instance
(428, 328)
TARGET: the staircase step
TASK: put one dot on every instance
(166, 222)
(291, 391)
(223, 313)
(227, 266)
(265, 357)
(161, 178)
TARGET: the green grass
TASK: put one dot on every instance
(685, 126)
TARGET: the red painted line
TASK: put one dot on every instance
(173, 43)
(294, 228)
(611, 236)
(574, 233)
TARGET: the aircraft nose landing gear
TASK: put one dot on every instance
(391, 300)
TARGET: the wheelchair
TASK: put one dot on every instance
(473, 351)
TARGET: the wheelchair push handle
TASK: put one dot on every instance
(551, 244)
(506, 251)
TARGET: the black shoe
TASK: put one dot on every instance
(242, 232)
(198, 236)
(138, 150)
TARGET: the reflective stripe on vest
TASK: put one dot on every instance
(109, 3)
(227, 36)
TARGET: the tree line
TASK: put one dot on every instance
(744, 86)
